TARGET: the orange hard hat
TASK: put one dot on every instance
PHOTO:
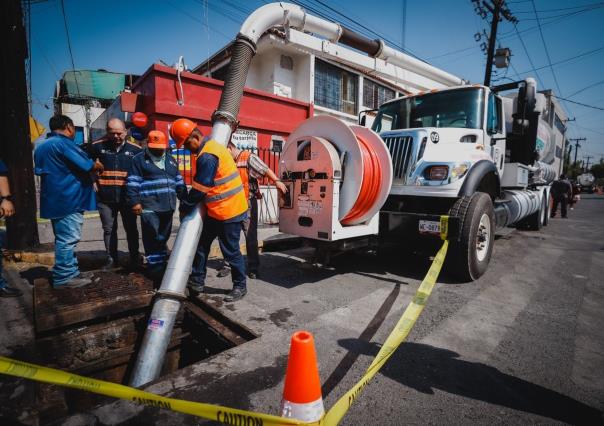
(181, 129)
(157, 139)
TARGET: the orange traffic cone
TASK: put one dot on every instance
(302, 398)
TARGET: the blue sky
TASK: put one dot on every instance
(128, 36)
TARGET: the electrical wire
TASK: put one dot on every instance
(529, 57)
(563, 61)
(69, 46)
(583, 6)
(549, 60)
(578, 103)
(586, 88)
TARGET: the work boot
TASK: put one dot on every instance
(196, 288)
(10, 292)
(110, 265)
(223, 272)
(235, 294)
(76, 282)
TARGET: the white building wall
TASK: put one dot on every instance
(78, 114)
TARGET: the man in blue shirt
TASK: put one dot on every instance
(66, 192)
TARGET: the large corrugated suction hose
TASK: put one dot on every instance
(230, 100)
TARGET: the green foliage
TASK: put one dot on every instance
(598, 169)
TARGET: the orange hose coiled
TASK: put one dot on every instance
(370, 187)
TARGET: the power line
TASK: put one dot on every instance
(549, 61)
(69, 46)
(578, 103)
(529, 57)
(586, 88)
(583, 6)
(563, 61)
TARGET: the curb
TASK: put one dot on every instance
(98, 257)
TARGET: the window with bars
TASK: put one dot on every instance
(335, 88)
(375, 94)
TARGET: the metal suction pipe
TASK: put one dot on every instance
(169, 297)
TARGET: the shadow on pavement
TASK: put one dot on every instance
(425, 368)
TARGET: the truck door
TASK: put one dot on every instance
(496, 131)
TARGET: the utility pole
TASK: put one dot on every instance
(16, 148)
(566, 161)
(498, 10)
(577, 146)
(588, 157)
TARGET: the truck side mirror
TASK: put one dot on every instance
(363, 120)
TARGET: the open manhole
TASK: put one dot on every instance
(96, 332)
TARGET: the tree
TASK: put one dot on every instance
(574, 170)
(598, 169)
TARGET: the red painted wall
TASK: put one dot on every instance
(263, 112)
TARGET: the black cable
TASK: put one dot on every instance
(69, 46)
(567, 59)
(578, 103)
(583, 6)
(529, 57)
(585, 88)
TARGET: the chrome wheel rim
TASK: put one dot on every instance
(483, 237)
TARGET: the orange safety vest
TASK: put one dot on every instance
(226, 199)
(242, 160)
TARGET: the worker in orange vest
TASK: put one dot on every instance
(218, 184)
(251, 169)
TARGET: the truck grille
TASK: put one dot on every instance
(401, 151)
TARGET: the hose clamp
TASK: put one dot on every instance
(225, 116)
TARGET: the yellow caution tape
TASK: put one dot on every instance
(231, 416)
(396, 337)
(218, 413)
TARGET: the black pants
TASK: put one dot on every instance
(156, 227)
(561, 200)
(250, 229)
(108, 213)
(229, 234)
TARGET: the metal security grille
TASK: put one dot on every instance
(401, 151)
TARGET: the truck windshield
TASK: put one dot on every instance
(461, 108)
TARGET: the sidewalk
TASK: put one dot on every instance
(91, 248)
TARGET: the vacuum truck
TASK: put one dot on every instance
(480, 155)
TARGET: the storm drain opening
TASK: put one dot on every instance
(96, 332)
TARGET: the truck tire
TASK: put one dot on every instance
(469, 257)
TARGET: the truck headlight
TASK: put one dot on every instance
(439, 172)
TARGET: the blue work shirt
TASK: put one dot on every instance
(66, 185)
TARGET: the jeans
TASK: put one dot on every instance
(229, 235)
(156, 227)
(250, 229)
(108, 213)
(67, 230)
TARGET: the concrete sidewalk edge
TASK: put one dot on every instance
(271, 244)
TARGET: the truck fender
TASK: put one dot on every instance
(483, 177)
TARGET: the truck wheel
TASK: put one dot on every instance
(469, 257)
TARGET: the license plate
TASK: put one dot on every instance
(429, 227)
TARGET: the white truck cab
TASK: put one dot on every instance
(473, 154)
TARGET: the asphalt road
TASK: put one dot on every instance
(522, 345)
